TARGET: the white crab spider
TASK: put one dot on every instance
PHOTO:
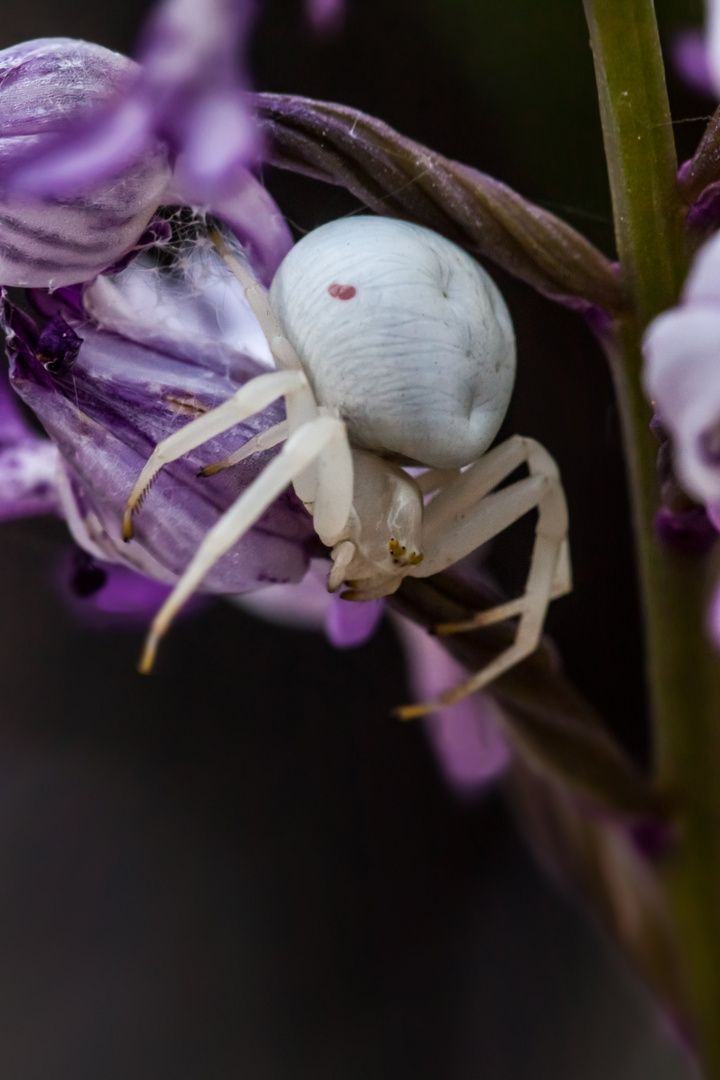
(393, 347)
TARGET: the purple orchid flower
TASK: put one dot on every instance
(171, 129)
(119, 366)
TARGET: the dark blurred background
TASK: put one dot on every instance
(242, 866)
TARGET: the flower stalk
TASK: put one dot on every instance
(683, 669)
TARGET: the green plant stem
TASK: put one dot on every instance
(682, 666)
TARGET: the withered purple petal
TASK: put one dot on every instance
(58, 345)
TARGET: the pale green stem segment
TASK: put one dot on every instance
(682, 666)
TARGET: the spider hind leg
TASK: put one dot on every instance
(466, 514)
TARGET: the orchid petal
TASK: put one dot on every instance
(349, 623)
(466, 736)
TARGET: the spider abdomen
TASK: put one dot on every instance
(403, 334)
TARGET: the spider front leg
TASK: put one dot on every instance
(465, 515)
(321, 442)
(250, 399)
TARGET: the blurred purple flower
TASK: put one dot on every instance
(689, 54)
(682, 354)
(682, 376)
(326, 17)
(157, 348)
(466, 736)
(190, 94)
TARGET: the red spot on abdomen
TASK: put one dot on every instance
(342, 292)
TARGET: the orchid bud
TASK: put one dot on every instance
(121, 135)
(121, 366)
(55, 239)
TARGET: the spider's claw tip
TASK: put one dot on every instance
(128, 530)
(410, 712)
(209, 470)
(147, 660)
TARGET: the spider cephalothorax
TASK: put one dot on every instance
(393, 348)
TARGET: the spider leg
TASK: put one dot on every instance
(434, 479)
(300, 408)
(323, 440)
(463, 516)
(264, 440)
(251, 398)
(257, 298)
